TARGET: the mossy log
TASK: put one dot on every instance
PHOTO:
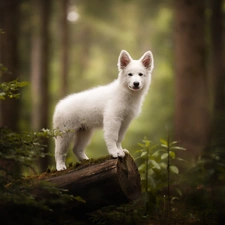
(104, 182)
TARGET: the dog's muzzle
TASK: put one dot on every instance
(136, 86)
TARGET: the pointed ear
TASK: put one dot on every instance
(124, 59)
(147, 60)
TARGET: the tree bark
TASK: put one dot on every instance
(9, 22)
(108, 182)
(192, 100)
(217, 73)
(9, 108)
(64, 32)
(40, 69)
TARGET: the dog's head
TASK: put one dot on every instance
(136, 74)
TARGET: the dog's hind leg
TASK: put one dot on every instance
(81, 141)
(61, 148)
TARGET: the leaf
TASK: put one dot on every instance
(180, 159)
(155, 164)
(164, 146)
(2, 95)
(174, 169)
(143, 154)
(163, 165)
(153, 147)
(151, 172)
(172, 155)
(178, 148)
(79, 199)
(141, 145)
(142, 167)
(22, 83)
(173, 143)
(163, 142)
(140, 150)
(157, 153)
(164, 156)
(147, 142)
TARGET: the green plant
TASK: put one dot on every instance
(18, 193)
(22, 148)
(206, 185)
(10, 89)
(155, 164)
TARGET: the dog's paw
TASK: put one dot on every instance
(118, 153)
(61, 167)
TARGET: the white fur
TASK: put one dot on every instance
(111, 107)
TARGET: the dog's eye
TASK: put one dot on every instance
(140, 74)
(130, 74)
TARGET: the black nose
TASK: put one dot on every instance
(136, 84)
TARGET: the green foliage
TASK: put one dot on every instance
(21, 150)
(155, 164)
(154, 161)
(10, 89)
(210, 167)
(194, 196)
(206, 182)
(23, 192)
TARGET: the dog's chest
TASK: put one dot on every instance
(122, 107)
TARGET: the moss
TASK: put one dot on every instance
(77, 166)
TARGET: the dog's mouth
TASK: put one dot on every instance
(134, 88)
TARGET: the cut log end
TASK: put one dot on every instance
(129, 177)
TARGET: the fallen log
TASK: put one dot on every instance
(105, 182)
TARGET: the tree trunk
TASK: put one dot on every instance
(108, 182)
(40, 70)
(9, 22)
(217, 73)
(9, 108)
(64, 47)
(192, 100)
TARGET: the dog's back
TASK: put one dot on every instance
(84, 109)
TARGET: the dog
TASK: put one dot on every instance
(111, 107)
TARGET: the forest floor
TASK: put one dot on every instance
(127, 214)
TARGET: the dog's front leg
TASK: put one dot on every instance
(111, 134)
(124, 126)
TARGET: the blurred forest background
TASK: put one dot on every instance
(66, 46)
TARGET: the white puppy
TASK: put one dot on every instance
(111, 107)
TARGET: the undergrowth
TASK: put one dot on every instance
(171, 196)
(156, 164)
(18, 151)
